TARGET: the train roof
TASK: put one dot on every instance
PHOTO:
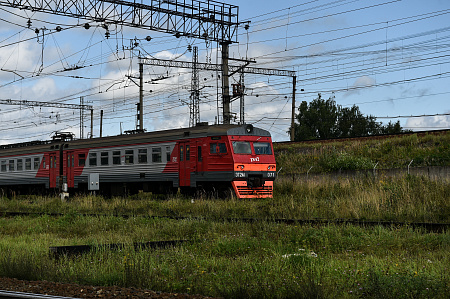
(124, 139)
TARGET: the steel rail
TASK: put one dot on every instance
(430, 226)
(11, 294)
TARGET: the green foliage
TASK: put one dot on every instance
(324, 119)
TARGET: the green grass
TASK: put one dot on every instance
(396, 152)
(233, 260)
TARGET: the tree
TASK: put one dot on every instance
(324, 119)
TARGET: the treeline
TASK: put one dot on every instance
(324, 119)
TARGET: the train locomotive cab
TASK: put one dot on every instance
(254, 166)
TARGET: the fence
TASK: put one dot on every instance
(432, 172)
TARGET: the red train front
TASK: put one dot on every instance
(240, 157)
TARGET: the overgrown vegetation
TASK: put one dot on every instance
(395, 152)
(233, 260)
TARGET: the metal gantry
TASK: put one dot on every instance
(231, 69)
(217, 67)
(203, 19)
(80, 107)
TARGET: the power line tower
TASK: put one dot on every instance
(194, 118)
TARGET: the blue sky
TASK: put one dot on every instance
(390, 58)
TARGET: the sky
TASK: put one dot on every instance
(388, 57)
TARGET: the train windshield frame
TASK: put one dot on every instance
(242, 147)
(262, 148)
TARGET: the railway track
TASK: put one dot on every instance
(11, 294)
(429, 226)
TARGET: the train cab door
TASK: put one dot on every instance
(187, 163)
(53, 169)
(70, 166)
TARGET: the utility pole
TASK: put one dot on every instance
(195, 91)
(225, 84)
(92, 123)
(101, 123)
(140, 106)
(294, 82)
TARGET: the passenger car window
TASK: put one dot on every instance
(11, 165)
(218, 148)
(129, 156)
(3, 167)
(156, 154)
(167, 153)
(142, 155)
(81, 159)
(104, 158)
(28, 164)
(262, 148)
(242, 147)
(92, 159)
(19, 164)
(116, 157)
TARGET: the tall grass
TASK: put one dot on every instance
(407, 198)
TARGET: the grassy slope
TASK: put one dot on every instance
(396, 152)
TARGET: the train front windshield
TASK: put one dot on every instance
(245, 148)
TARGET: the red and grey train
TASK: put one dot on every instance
(215, 157)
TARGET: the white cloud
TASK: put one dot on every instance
(428, 123)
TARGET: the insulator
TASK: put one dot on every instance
(107, 35)
(189, 47)
(58, 28)
(87, 26)
(36, 31)
(29, 23)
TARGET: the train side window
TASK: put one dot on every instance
(142, 155)
(28, 164)
(81, 159)
(92, 159)
(188, 153)
(156, 154)
(43, 163)
(167, 153)
(199, 153)
(218, 148)
(11, 165)
(129, 156)
(3, 166)
(181, 153)
(19, 165)
(104, 158)
(116, 157)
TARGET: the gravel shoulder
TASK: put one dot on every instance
(81, 291)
